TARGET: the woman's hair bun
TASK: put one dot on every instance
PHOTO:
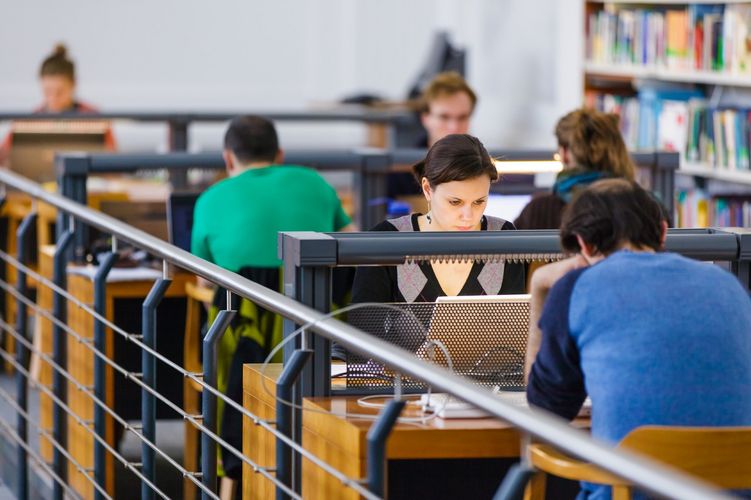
(60, 51)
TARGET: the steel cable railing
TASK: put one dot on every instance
(353, 483)
(81, 388)
(17, 439)
(80, 421)
(641, 471)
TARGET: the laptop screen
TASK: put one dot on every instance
(180, 207)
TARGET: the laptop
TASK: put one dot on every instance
(485, 337)
(180, 206)
(34, 144)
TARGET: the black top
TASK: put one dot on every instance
(381, 283)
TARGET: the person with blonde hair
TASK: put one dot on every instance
(591, 148)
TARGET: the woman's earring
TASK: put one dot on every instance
(428, 215)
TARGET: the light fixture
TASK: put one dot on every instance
(528, 166)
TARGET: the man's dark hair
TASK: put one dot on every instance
(456, 157)
(252, 139)
(610, 213)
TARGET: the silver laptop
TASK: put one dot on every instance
(484, 336)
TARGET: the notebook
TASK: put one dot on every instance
(451, 407)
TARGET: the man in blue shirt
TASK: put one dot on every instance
(653, 338)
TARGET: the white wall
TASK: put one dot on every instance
(234, 55)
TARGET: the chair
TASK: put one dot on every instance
(718, 455)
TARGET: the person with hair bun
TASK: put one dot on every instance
(455, 179)
(591, 148)
(57, 78)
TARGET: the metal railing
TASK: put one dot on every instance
(641, 471)
(370, 167)
(179, 121)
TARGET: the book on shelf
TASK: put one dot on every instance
(707, 37)
(697, 208)
(720, 137)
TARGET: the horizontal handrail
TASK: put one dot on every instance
(340, 114)
(641, 471)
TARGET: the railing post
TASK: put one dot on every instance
(178, 141)
(148, 369)
(23, 234)
(513, 485)
(72, 170)
(59, 354)
(372, 180)
(376, 437)
(100, 302)
(284, 418)
(208, 405)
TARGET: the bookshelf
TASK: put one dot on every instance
(679, 75)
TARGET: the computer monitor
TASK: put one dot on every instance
(506, 206)
(180, 206)
(443, 56)
(34, 144)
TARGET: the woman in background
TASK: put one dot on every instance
(455, 178)
(591, 148)
(57, 78)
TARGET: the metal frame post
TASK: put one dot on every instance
(60, 354)
(178, 141)
(741, 267)
(72, 170)
(208, 399)
(373, 183)
(376, 437)
(100, 343)
(285, 422)
(23, 234)
(148, 368)
(665, 167)
(513, 485)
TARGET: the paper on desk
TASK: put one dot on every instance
(118, 273)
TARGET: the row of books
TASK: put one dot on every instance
(713, 37)
(720, 137)
(696, 208)
(654, 119)
(673, 121)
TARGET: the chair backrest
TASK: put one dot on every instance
(719, 455)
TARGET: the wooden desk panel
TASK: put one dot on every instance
(258, 444)
(341, 441)
(80, 364)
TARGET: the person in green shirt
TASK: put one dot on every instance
(236, 223)
(237, 220)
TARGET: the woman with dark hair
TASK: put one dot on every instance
(591, 148)
(455, 178)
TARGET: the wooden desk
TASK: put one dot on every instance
(437, 450)
(123, 305)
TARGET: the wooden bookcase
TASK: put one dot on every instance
(679, 74)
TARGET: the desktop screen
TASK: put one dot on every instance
(506, 206)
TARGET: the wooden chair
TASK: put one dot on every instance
(718, 455)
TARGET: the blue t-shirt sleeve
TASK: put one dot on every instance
(556, 382)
